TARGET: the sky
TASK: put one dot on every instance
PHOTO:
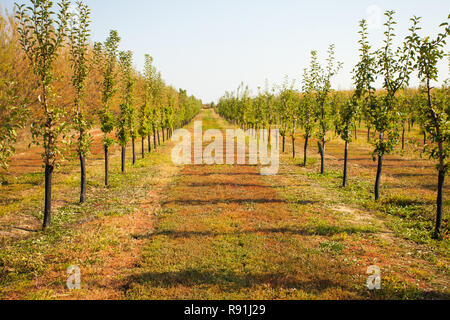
(209, 47)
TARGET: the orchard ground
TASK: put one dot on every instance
(166, 231)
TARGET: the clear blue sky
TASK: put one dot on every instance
(208, 47)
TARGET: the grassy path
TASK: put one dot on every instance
(223, 232)
(226, 232)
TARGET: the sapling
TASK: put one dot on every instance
(79, 46)
(434, 113)
(109, 65)
(41, 35)
(394, 66)
(126, 118)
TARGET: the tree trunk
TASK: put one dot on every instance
(378, 180)
(368, 134)
(159, 141)
(149, 141)
(106, 166)
(439, 201)
(83, 179)
(154, 138)
(142, 147)
(123, 159)
(356, 132)
(162, 132)
(403, 138)
(305, 150)
(284, 144)
(424, 141)
(48, 195)
(322, 156)
(344, 183)
(293, 147)
(133, 149)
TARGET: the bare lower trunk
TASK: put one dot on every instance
(83, 179)
(48, 195)
(403, 138)
(439, 201)
(162, 132)
(322, 156)
(159, 141)
(368, 134)
(424, 141)
(344, 182)
(123, 159)
(305, 150)
(149, 141)
(378, 180)
(133, 149)
(293, 147)
(154, 138)
(106, 166)
(284, 144)
(142, 147)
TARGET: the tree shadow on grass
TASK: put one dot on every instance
(198, 202)
(314, 231)
(229, 280)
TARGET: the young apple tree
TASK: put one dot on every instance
(79, 46)
(42, 34)
(434, 113)
(127, 117)
(321, 78)
(394, 66)
(107, 56)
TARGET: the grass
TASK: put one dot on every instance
(225, 232)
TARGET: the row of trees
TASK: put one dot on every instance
(125, 103)
(317, 110)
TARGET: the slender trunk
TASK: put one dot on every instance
(48, 195)
(284, 144)
(154, 138)
(162, 132)
(344, 183)
(368, 134)
(305, 150)
(123, 159)
(356, 132)
(322, 156)
(439, 200)
(159, 141)
(134, 150)
(293, 147)
(149, 141)
(106, 166)
(424, 141)
(378, 180)
(270, 133)
(142, 147)
(403, 138)
(83, 179)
